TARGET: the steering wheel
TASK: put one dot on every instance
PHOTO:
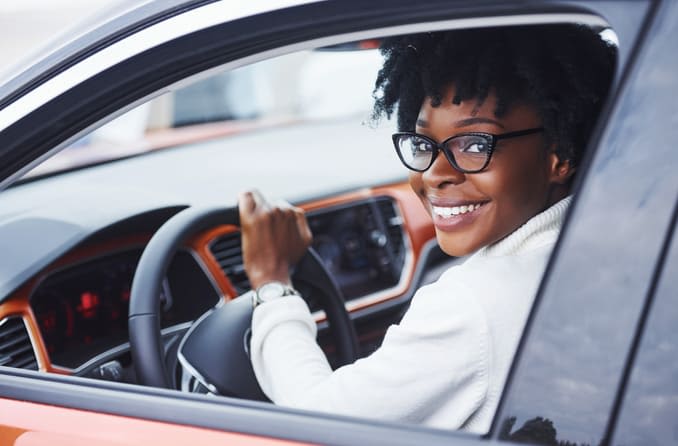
(215, 349)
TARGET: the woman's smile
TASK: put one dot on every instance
(450, 215)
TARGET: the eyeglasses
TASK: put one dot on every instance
(467, 152)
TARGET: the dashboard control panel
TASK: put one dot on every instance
(82, 310)
(362, 244)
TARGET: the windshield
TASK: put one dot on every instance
(306, 90)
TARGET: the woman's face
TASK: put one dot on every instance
(521, 180)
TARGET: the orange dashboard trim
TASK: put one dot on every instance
(25, 423)
(200, 244)
(419, 231)
(19, 306)
(416, 221)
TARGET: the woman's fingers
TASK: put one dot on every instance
(252, 201)
(304, 229)
(260, 202)
(274, 237)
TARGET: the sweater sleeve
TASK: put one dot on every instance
(432, 368)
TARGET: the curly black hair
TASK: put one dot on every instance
(563, 70)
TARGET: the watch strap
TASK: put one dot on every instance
(274, 290)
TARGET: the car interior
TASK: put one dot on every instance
(198, 145)
(299, 128)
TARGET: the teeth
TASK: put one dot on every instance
(446, 212)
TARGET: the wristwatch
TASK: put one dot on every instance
(272, 291)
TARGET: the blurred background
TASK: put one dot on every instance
(316, 90)
(27, 25)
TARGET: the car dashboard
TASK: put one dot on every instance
(75, 310)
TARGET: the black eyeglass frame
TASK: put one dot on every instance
(440, 147)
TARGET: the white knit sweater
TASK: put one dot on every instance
(444, 365)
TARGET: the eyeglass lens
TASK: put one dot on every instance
(468, 152)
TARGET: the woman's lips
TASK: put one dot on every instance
(450, 217)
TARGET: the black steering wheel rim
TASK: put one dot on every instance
(144, 309)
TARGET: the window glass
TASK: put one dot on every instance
(650, 406)
(314, 104)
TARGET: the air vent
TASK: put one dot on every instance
(16, 349)
(228, 252)
(394, 228)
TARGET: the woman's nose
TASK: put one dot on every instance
(442, 173)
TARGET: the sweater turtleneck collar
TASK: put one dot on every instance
(542, 228)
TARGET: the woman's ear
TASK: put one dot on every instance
(560, 170)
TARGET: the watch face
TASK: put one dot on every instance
(270, 291)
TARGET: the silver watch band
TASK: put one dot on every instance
(272, 291)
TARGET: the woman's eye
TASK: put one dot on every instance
(475, 147)
(421, 147)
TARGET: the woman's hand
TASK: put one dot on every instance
(274, 237)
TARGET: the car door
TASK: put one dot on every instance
(576, 358)
(154, 47)
(647, 411)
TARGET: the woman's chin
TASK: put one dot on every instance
(456, 246)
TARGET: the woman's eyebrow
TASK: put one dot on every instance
(466, 122)
(477, 120)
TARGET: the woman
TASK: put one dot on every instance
(494, 124)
